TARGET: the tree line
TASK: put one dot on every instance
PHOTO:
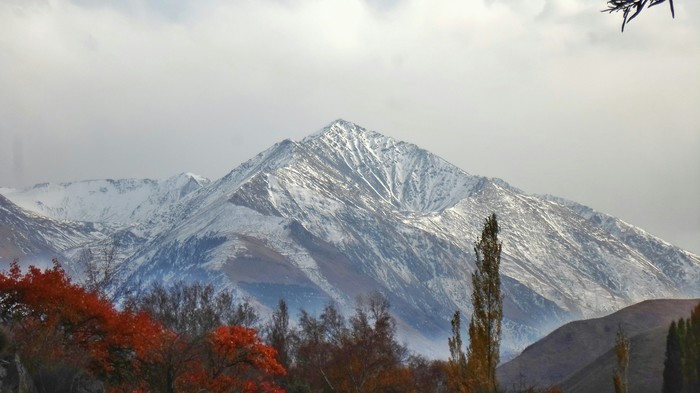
(184, 339)
(682, 363)
(192, 338)
(329, 353)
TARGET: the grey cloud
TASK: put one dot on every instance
(558, 103)
(17, 158)
(169, 10)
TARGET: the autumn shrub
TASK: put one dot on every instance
(209, 344)
(53, 321)
(236, 360)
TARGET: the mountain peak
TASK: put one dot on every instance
(348, 211)
(347, 138)
(345, 130)
(400, 174)
(341, 122)
(184, 178)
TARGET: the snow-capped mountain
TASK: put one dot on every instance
(124, 201)
(36, 239)
(347, 211)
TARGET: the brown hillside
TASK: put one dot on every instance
(564, 352)
(645, 373)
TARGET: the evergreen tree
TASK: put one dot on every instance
(682, 365)
(622, 351)
(691, 362)
(673, 367)
(487, 301)
(693, 350)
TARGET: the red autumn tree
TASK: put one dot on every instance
(185, 359)
(54, 321)
(235, 359)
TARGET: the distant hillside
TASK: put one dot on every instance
(645, 373)
(578, 356)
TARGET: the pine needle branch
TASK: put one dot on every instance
(631, 8)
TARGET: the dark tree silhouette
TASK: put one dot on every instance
(673, 367)
(278, 332)
(631, 8)
(682, 365)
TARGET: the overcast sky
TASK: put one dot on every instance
(545, 94)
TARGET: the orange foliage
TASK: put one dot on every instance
(237, 361)
(52, 320)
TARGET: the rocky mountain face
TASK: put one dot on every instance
(347, 211)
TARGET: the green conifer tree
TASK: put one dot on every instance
(673, 366)
(693, 345)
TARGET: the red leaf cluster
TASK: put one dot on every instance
(51, 320)
(237, 361)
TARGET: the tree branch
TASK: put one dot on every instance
(631, 8)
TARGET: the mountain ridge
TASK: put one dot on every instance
(104, 200)
(345, 211)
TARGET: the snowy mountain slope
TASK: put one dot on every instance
(347, 211)
(564, 257)
(27, 235)
(125, 201)
(398, 173)
(651, 247)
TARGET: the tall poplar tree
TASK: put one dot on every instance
(458, 380)
(622, 351)
(485, 325)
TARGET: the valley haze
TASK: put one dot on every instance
(346, 211)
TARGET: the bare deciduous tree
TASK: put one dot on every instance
(99, 265)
